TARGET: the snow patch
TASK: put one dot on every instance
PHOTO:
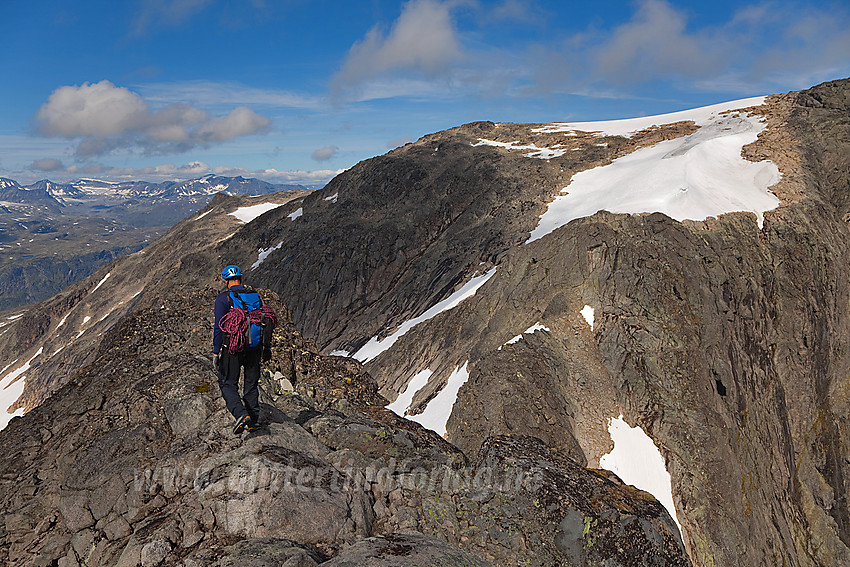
(296, 213)
(249, 213)
(628, 127)
(340, 353)
(100, 283)
(13, 317)
(437, 412)
(405, 397)
(375, 347)
(86, 319)
(637, 461)
(529, 331)
(62, 322)
(202, 215)
(264, 253)
(11, 388)
(587, 312)
(333, 198)
(538, 152)
(695, 177)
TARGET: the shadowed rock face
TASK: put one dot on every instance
(134, 463)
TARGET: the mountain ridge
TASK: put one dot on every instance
(723, 340)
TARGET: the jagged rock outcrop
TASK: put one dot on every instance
(133, 463)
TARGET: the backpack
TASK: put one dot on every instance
(249, 301)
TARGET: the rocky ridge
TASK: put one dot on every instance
(725, 342)
(133, 463)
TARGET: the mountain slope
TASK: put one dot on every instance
(66, 330)
(134, 463)
(724, 339)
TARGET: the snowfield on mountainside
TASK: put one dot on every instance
(695, 177)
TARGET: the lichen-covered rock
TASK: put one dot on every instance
(268, 552)
(402, 550)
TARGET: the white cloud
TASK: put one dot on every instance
(324, 154)
(99, 109)
(211, 93)
(47, 164)
(240, 121)
(656, 42)
(423, 39)
(760, 48)
(108, 118)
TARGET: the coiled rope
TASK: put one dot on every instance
(235, 324)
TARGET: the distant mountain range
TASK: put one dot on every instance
(88, 195)
(53, 234)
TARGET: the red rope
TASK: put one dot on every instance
(235, 324)
(257, 316)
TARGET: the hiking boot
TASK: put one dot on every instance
(240, 424)
(253, 426)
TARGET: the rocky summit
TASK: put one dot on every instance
(548, 306)
(133, 462)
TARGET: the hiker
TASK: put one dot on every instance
(243, 327)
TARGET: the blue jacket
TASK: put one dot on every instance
(222, 306)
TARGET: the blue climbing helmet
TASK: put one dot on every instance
(231, 272)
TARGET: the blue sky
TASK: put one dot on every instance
(294, 91)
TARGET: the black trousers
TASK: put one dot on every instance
(228, 381)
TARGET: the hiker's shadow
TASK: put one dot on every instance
(268, 414)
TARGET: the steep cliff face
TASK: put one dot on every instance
(727, 343)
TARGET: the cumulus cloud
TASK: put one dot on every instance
(657, 42)
(107, 118)
(47, 164)
(240, 121)
(324, 154)
(99, 109)
(423, 40)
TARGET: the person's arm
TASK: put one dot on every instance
(222, 306)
